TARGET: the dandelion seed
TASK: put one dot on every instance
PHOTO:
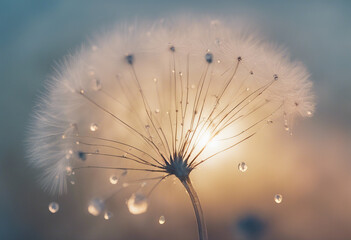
(168, 128)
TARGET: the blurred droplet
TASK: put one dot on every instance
(155, 80)
(157, 110)
(96, 84)
(94, 127)
(124, 173)
(72, 182)
(162, 220)
(96, 206)
(137, 204)
(309, 113)
(113, 179)
(108, 215)
(68, 170)
(278, 198)
(54, 207)
(242, 167)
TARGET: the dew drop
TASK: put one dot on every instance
(162, 220)
(309, 113)
(69, 154)
(275, 76)
(278, 198)
(108, 215)
(68, 170)
(269, 121)
(94, 127)
(96, 206)
(155, 80)
(113, 179)
(242, 167)
(157, 110)
(72, 182)
(54, 207)
(124, 173)
(137, 204)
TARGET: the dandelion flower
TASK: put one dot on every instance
(162, 99)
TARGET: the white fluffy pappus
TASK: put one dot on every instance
(152, 98)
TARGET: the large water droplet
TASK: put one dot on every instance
(162, 220)
(242, 167)
(113, 179)
(278, 198)
(108, 215)
(94, 127)
(96, 206)
(54, 207)
(137, 203)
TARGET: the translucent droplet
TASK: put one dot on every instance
(275, 76)
(157, 110)
(68, 170)
(96, 206)
(54, 207)
(247, 89)
(69, 154)
(162, 220)
(108, 215)
(309, 113)
(242, 167)
(192, 86)
(155, 80)
(269, 121)
(113, 179)
(137, 203)
(278, 198)
(72, 182)
(94, 127)
(124, 173)
(96, 84)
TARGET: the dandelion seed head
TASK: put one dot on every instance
(104, 97)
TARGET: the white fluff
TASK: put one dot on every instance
(102, 73)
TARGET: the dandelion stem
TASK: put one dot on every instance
(201, 225)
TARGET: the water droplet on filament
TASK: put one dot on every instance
(242, 167)
(94, 127)
(162, 220)
(113, 179)
(54, 207)
(96, 206)
(137, 203)
(108, 215)
(278, 198)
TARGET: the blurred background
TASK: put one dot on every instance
(311, 168)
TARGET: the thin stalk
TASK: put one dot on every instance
(201, 225)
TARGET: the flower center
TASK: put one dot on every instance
(179, 167)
